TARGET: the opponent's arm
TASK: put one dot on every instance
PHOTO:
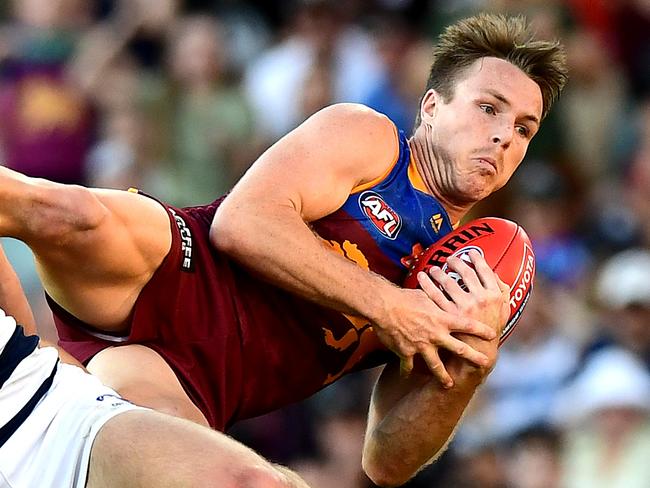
(12, 297)
(14, 302)
(305, 176)
(412, 419)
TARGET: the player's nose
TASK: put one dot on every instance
(502, 134)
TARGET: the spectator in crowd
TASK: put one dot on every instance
(606, 416)
(404, 59)
(594, 104)
(533, 458)
(47, 122)
(318, 31)
(637, 178)
(624, 289)
(212, 132)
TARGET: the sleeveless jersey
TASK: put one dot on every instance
(242, 347)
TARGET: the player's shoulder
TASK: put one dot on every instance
(356, 128)
(356, 114)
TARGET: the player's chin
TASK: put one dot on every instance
(485, 184)
(477, 189)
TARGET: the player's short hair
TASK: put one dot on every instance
(499, 36)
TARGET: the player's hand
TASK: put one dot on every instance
(416, 324)
(483, 297)
(486, 297)
(480, 311)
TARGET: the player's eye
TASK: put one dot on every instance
(523, 130)
(488, 109)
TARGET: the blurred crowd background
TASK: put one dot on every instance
(179, 97)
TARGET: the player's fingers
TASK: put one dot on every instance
(467, 274)
(505, 294)
(472, 327)
(449, 285)
(485, 274)
(465, 351)
(503, 287)
(436, 366)
(434, 293)
(405, 366)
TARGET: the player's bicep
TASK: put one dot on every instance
(315, 167)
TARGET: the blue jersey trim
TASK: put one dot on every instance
(14, 424)
(397, 215)
(18, 347)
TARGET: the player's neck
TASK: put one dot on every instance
(426, 165)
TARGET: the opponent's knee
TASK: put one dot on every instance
(251, 475)
(261, 477)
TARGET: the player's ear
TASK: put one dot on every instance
(430, 102)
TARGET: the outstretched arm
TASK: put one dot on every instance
(305, 176)
(412, 419)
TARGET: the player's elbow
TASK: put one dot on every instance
(236, 226)
(384, 473)
(225, 236)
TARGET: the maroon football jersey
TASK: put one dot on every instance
(239, 346)
(242, 347)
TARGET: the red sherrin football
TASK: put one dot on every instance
(504, 245)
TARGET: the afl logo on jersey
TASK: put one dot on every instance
(380, 214)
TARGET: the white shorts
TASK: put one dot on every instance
(51, 449)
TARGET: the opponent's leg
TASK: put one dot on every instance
(147, 448)
(143, 377)
(95, 249)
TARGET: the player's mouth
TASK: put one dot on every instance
(487, 162)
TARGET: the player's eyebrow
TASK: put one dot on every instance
(505, 101)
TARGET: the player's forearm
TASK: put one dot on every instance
(412, 419)
(290, 255)
(416, 430)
